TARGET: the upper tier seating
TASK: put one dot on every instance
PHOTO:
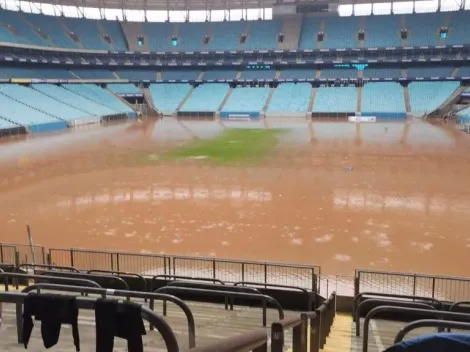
(95, 73)
(441, 71)
(291, 97)
(245, 99)
(180, 74)
(226, 35)
(137, 74)
(52, 26)
(113, 29)
(426, 97)
(159, 36)
(424, 28)
(298, 73)
(206, 97)
(88, 32)
(382, 72)
(167, 97)
(26, 72)
(383, 97)
(258, 74)
(220, 74)
(123, 88)
(19, 31)
(341, 32)
(308, 34)
(191, 36)
(382, 31)
(464, 71)
(263, 34)
(459, 28)
(339, 73)
(335, 99)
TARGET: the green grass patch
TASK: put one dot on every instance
(232, 146)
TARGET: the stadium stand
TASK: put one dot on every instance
(206, 97)
(290, 97)
(335, 100)
(382, 72)
(383, 99)
(258, 74)
(382, 31)
(180, 74)
(53, 28)
(458, 29)
(426, 97)
(88, 32)
(297, 73)
(226, 35)
(191, 36)
(464, 71)
(220, 74)
(93, 73)
(123, 88)
(338, 73)
(162, 41)
(137, 74)
(167, 97)
(13, 29)
(263, 34)
(99, 96)
(27, 72)
(308, 35)
(113, 30)
(424, 28)
(341, 32)
(441, 71)
(246, 99)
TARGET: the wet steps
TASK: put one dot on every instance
(339, 339)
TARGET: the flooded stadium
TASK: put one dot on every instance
(389, 196)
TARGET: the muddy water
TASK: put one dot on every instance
(337, 195)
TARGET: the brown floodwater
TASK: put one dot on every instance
(389, 196)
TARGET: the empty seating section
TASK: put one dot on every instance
(423, 28)
(167, 97)
(341, 32)
(113, 29)
(426, 97)
(297, 73)
(308, 34)
(4, 124)
(88, 33)
(464, 72)
(100, 96)
(258, 74)
(382, 31)
(51, 26)
(443, 71)
(159, 36)
(382, 73)
(26, 72)
(383, 97)
(226, 35)
(93, 73)
(263, 34)
(19, 31)
(291, 97)
(245, 99)
(180, 74)
(335, 99)
(338, 73)
(123, 88)
(191, 36)
(137, 74)
(206, 97)
(459, 28)
(220, 74)
(18, 112)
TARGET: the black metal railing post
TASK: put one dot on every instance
(71, 258)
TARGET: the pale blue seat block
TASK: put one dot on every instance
(291, 97)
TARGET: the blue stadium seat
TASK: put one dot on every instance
(88, 32)
(226, 35)
(341, 32)
(206, 97)
(383, 99)
(263, 34)
(100, 96)
(424, 28)
(382, 31)
(167, 97)
(338, 73)
(52, 27)
(159, 35)
(459, 28)
(382, 73)
(87, 73)
(19, 31)
(113, 29)
(123, 88)
(308, 34)
(298, 73)
(464, 71)
(137, 74)
(258, 74)
(441, 71)
(29, 72)
(220, 74)
(191, 36)
(426, 97)
(291, 97)
(180, 74)
(246, 99)
(335, 99)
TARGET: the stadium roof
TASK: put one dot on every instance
(202, 5)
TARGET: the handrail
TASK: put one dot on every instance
(262, 298)
(176, 277)
(59, 279)
(277, 333)
(357, 318)
(47, 266)
(89, 304)
(128, 294)
(105, 277)
(425, 312)
(256, 341)
(359, 296)
(123, 274)
(456, 304)
(423, 323)
(320, 324)
(308, 293)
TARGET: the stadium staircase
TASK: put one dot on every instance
(291, 27)
(312, 100)
(359, 99)
(68, 31)
(406, 95)
(322, 29)
(241, 46)
(222, 104)
(446, 106)
(404, 42)
(341, 334)
(101, 30)
(181, 104)
(131, 31)
(268, 100)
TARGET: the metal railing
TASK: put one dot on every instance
(422, 312)
(89, 304)
(229, 294)
(256, 341)
(46, 278)
(122, 275)
(425, 323)
(444, 288)
(47, 267)
(128, 294)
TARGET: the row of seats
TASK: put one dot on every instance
(76, 73)
(47, 103)
(339, 32)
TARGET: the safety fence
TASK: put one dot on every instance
(446, 288)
